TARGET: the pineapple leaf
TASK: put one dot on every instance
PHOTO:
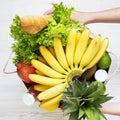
(96, 114)
(90, 89)
(72, 106)
(83, 99)
(102, 117)
(98, 91)
(101, 86)
(77, 88)
(94, 95)
(73, 116)
(102, 99)
(81, 113)
(83, 86)
(89, 113)
(92, 113)
(69, 89)
(68, 93)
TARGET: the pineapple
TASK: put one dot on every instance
(82, 100)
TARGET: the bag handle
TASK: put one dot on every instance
(111, 72)
(5, 67)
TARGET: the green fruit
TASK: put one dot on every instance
(101, 86)
(105, 61)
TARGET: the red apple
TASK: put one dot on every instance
(23, 71)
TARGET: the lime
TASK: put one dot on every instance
(101, 86)
(105, 61)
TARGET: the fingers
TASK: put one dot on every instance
(49, 12)
(76, 15)
(73, 15)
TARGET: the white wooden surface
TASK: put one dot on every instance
(12, 88)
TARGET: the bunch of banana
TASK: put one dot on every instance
(58, 65)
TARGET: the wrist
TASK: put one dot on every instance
(92, 17)
(85, 17)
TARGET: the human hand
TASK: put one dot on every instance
(84, 17)
(49, 12)
(111, 108)
(76, 15)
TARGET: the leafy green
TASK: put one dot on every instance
(83, 99)
(60, 24)
(26, 46)
(58, 15)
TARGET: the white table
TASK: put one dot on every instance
(12, 88)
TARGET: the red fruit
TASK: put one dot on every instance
(23, 70)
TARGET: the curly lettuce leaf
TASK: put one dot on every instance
(26, 46)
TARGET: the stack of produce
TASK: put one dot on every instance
(59, 58)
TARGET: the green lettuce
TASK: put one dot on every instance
(26, 46)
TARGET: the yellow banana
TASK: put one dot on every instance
(39, 87)
(60, 54)
(51, 49)
(46, 69)
(77, 38)
(51, 59)
(39, 72)
(53, 107)
(103, 46)
(51, 101)
(40, 58)
(70, 46)
(52, 92)
(76, 42)
(81, 46)
(45, 80)
(90, 52)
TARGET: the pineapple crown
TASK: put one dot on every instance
(82, 100)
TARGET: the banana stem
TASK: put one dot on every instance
(74, 74)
